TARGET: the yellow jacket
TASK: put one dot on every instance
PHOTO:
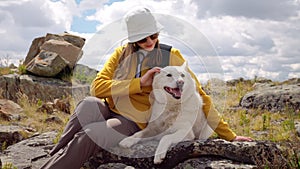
(128, 98)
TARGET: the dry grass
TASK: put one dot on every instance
(5, 71)
(32, 119)
(259, 124)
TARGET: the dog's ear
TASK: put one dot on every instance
(161, 70)
(185, 65)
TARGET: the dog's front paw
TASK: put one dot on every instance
(128, 142)
(158, 158)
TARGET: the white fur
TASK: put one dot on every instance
(173, 120)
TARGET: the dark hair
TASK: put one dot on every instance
(155, 56)
(130, 50)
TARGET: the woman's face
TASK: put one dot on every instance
(149, 42)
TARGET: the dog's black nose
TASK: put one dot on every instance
(180, 84)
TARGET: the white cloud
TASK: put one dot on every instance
(251, 37)
(265, 10)
(22, 21)
(295, 67)
(5, 3)
(247, 44)
(91, 4)
(238, 36)
(108, 13)
(293, 75)
(61, 12)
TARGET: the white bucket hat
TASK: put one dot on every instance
(141, 24)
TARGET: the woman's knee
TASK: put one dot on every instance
(92, 108)
(103, 135)
(122, 125)
(90, 101)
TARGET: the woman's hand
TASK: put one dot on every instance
(147, 78)
(242, 138)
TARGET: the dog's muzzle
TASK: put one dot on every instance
(180, 84)
(175, 92)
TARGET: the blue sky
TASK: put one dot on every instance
(250, 37)
(80, 24)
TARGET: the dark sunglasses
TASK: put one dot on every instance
(152, 37)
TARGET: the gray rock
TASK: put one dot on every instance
(30, 153)
(10, 106)
(214, 153)
(9, 85)
(64, 49)
(115, 166)
(45, 89)
(292, 81)
(198, 163)
(273, 98)
(73, 39)
(83, 74)
(53, 53)
(262, 80)
(9, 110)
(54, 119)
(34, 49)
(234, 82)
(47, 64)
(212, 162)
(10, 135)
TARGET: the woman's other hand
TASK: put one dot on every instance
(242, 138)
(147, 78)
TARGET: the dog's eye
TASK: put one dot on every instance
(169, 75)
(182, 75)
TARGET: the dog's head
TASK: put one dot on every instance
(171, 82)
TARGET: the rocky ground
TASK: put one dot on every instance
(213, 153)
(28, 150)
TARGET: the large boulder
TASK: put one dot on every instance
(44, 89)
(273, 97)
(212, 153)
(29, 153)
(47, 64)
(53, 53)
(64, 49)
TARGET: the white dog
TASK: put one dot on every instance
(176, 112)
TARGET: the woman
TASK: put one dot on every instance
(120, 97)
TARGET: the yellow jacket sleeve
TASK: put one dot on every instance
(212, 115)
(104, 85)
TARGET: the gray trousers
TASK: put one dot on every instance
(92, 127)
